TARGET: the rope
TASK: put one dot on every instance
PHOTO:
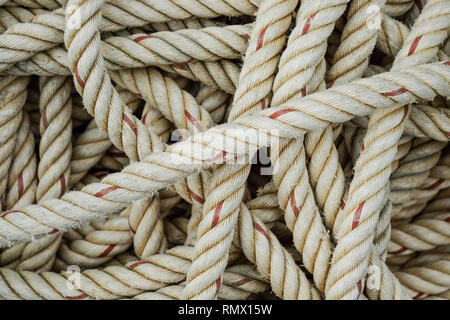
(380, 143)
(221, 208)
(217, 149)
(289, 119)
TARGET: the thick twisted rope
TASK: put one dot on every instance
(291, 119)
(13, 91)
(55, 146)
(22, 180)
(182, 46)
(295, 194)
(221, 208)
(130, 279)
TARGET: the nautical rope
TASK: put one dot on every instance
(291, 119)
(207, 44)
(362, 213)
(221, 208)
(13, 91)
(224, 149)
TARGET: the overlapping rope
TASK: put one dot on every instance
(165, 147)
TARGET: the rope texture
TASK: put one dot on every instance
(226, 149)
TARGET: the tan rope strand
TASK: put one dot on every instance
(295, 195)
(13, 89)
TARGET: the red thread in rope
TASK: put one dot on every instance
(241, 282)
(107, 251)
(417, 296)
(308, 23)
(405, 113)
(81, 296)
(193, 120)
(303, 91)
(62, 182)
(434, 185)
(418, 5)
(260, 41)
(105, 191)
(359, 288)
(136, 264)
(129, 122)
(414, 45)
(357, 215)
(78, 78)
(219, 156)
(178, 66)
(20, 185)
(394, 92)
(140, 38)
(279, 113)
(263, 104)
(216, 214)
(294, 204)
(261, 229)
(399, 251)
(8, 212)
(144, 118)
(44, 119)
(330, 84)
(53, 231)
(218, 283)
(195, 196)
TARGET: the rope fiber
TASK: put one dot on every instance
(224, 149)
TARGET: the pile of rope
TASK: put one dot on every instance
(230, 149)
